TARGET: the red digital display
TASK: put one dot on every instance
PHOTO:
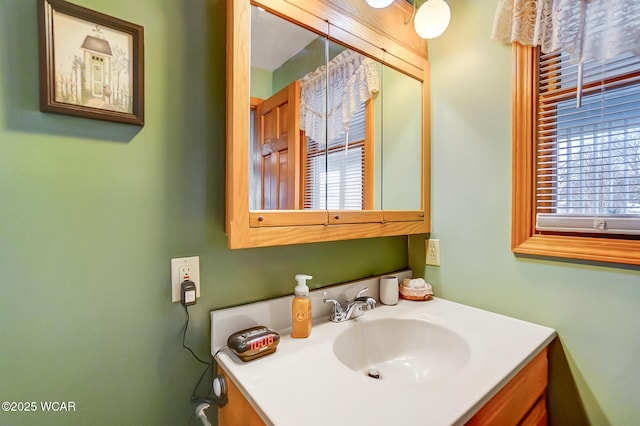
(262, 342)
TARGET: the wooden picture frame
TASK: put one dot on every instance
(91, 64)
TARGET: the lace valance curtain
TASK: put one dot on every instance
(585, 29)
(350, 79)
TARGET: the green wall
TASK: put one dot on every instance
(302, 63)
(595, 370)
(91, 213)
(261, 83)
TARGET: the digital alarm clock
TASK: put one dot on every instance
(253, 342)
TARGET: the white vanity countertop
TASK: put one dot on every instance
(304, 380)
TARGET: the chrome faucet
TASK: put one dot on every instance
(353, 308)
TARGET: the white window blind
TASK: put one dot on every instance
(334, 177)
(588, 158)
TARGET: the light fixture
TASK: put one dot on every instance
(379, 4)
(432, 18)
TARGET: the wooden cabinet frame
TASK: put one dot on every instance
(350, 25)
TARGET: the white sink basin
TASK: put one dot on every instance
(402, 350)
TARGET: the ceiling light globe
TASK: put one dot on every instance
(432, 18)
(379, 4)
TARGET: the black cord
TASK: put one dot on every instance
(194, 397)
(219, 350)
(209, 365)
(184, 336)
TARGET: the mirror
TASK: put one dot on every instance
(401, 141)
(331, 128)
(282, 54)
(309, 159)
(353, 113)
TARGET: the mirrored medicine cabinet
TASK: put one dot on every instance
(327, 123)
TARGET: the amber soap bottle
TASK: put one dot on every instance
(301, 308)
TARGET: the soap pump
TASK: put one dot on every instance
(301, 308)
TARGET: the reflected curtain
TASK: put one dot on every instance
(351, 79)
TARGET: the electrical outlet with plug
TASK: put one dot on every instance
(185, 280)
(187, 293)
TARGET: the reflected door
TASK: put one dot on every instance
(277, 136)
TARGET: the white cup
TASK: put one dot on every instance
(389, 290)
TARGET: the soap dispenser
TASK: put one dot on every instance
(301, 308)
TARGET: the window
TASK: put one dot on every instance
(335, 178)
(576, 189)
(588, 169)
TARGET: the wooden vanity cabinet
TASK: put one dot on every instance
(238, 411)
(522, 401)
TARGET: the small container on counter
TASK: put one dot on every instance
(389, 290)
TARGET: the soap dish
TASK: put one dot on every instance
(412, 293)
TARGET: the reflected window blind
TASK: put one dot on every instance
(588, 158)
(336, 180)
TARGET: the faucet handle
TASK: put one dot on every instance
(336, 304)
(337, 314)
(361, 292)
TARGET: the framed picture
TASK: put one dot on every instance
(91, 64)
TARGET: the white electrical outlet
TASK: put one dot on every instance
(432, 247)
(184, 268)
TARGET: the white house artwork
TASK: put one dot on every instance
(97, 59)
(93, 65)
